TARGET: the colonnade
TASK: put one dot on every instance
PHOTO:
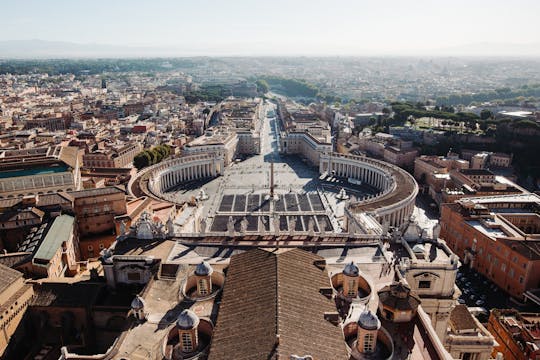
(173, 172)
(394, 204)
(188, 172)
(367, 174)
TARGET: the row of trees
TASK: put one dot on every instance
(290, 87)
(214, 93)
(403, 110)
(91, 66)
(502, 94)
(151, 156)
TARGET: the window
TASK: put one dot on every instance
(187, 343)
(134, 276)
(424, 284)
(511, 272)
(101, 246)
(521, 279)
(503, 267)
(90, 248)
(369, 343)
(352, 286)
(203, 287)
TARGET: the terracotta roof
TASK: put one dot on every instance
(97, 192)
(66, 294)
(461, 318)
(270, 294)
(8, 277)
(54, 199)
(527, 248)
(391, 296)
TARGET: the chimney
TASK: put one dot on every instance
(332, 317)
(321, 263)
(327, 291)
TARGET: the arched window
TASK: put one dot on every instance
(187, 343)
(369, 341)
(203, 287)
(352, 288)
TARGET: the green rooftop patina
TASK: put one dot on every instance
(60, 231)
(33, 171)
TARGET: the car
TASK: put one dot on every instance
(472, 297)
(461, 301)
(479, 302)
(466, 291)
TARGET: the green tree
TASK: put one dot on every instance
(486, 114)
(142, 160)
(262, 86)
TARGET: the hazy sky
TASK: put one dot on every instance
(275, 26)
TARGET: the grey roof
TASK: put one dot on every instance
(137, 303)
(187, 320)
(60, 231)
(351, 269)
(369, 321)
(203, 269)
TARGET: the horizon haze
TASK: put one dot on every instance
(60, 28)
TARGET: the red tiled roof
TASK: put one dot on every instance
(267, 294)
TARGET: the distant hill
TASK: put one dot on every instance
(490, 49)
(59, 49)
(41, 49)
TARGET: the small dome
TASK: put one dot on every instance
(351, 269)
(187, 320)
(204, 269)
(137, 303)
(369, 321)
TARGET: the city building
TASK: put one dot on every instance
(95, 209)
(15, 296)
(517, 334)
(303, 133)
(39, 171)
(498, 237)
(112, 156)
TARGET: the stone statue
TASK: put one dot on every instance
(230, 226)
(311, 226)
(292, 224)
(122, 227)
(276, 223)
(170, 227)
(144, 227)
(202, 225)
(322, 227)
(243, 225)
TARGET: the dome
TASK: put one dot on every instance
(137, 303)
(369, 321)
(204, 269)
(187, 320)
(351, 269)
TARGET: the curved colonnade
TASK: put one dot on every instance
(161, 177)
(394, 204)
